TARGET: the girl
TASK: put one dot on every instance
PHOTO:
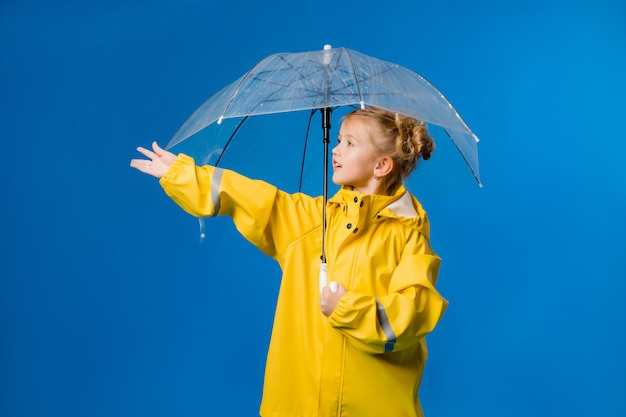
(358, 351)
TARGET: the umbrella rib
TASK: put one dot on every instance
(303, 77)
(307, 87)
(365, 79)
(356, 80)
(258, 77)
(312, 90)
(284, 85)
(306, 141)
(296, 70)
(462, 155)
(232, 135)
(242, 80)
(234, 94)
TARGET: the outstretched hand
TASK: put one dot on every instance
(159, 163)
(329, 299)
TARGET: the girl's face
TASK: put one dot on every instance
(355, 159)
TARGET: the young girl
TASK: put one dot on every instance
(358, 351)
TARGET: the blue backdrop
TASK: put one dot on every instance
(108, 304)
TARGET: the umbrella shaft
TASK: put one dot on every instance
(326, 113)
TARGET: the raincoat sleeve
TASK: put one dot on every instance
(263, 214)
(399, 319)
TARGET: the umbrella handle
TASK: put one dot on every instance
(324, 279)
(323, 276)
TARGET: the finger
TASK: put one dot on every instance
(326, 292)
(141, 164)
(146, 152)
(157, 149)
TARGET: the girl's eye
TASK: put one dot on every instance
(347, 142)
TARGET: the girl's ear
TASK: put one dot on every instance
(384, 166)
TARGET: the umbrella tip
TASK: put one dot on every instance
(327, 47)
(219, 121)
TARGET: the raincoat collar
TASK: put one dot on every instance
(377, 201)
(401, 205)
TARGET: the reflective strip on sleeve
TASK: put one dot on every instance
(215, 189)
(384, 323)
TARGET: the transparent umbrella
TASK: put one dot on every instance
(323, 81)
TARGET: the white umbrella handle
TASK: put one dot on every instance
(324, 279)
(323, 276)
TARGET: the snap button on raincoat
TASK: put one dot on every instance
(368, 357)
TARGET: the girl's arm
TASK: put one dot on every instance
(270, 219)
(398, 320)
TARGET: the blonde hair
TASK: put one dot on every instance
(400, 137)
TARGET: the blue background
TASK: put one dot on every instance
(110, 306)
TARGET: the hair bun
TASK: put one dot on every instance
(425, 143)
(414, 140)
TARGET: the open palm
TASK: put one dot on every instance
(158, 164)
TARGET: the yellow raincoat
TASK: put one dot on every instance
(367, 358)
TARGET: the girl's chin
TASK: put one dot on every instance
(337, 180)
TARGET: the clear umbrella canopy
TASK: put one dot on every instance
(325, 79)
